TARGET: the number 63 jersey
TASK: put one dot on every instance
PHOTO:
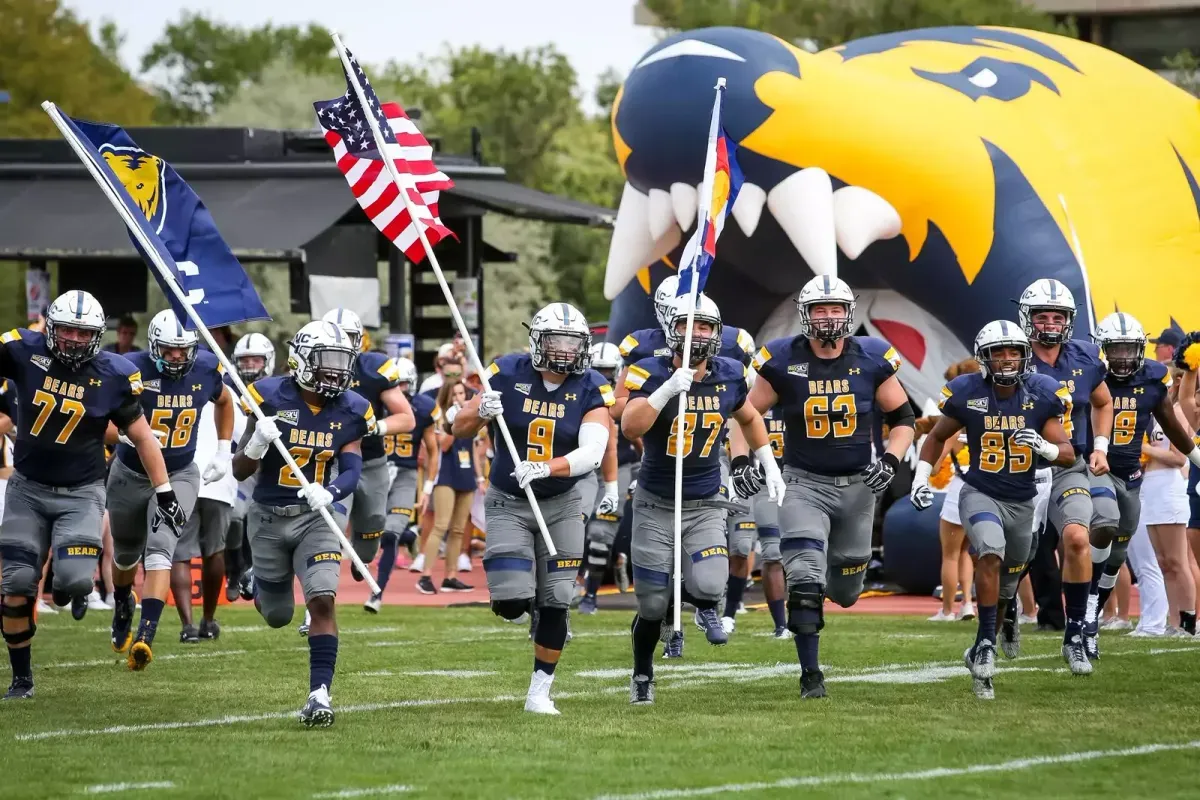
(544, 422)
(1001, 468)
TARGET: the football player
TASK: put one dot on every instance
(1139, 389)
(402, 450)
(254, 359)
(1012, 417)
(178, 379)
(1046, 313)
(290, 539)
(766, 522)
(716, 393)
(376, 379)
(68, 391)
(557, 411)
(828, 385)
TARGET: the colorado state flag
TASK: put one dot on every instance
(722, 181)
(176, 223)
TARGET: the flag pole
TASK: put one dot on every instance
(706, 196)
(169, 278)
(441, 278)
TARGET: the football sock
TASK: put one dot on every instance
(21, 659)
(807, 645)
(322, 657)
(645, 642)
(152, 609)
(778, 615)
(387, 559)
(987, 624)
(1076, 596)
(735, 588)
(1187, 621)
(593, 582)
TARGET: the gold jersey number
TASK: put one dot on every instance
(819, 411)
(304, 455)
(177, 433)
(993, 455)
(710, 421)
(47, 402)
(1124, 427)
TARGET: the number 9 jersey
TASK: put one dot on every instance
(544, 422)
(1000, 468)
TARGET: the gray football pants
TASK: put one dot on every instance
(298, 543)
(132, 504)
(704, 558)
(60, 521)
(516, 561)
(1001, 528)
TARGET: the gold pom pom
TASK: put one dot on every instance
(1191, 356)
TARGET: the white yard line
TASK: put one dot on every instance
(370, 792)
(104, 788)
(918, 775)
(438, 673)
(118, 657)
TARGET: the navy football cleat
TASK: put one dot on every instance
(246, 584)
(20, 689)
(1091, 640)
(708, 621)
(317, 712)
(122, 623)
(210, 630)
(79, 607)
(812, 684)
(189, 635)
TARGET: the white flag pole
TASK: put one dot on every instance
(169, 278)
(705, 207)
(402, 187)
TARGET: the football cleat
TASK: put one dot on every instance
(317, 712)
(812, 684)
(79, 607)
(97, 602)
(1010, 638)
(303, 629)
(537, 700)
(354, 573)
(708, 621)
(122, 623)
(1091, 640)
(61, 599)
(418, 563)
(641, 691)
(20, 689)
(782, 633)
(140, 656)
(374, 602)
(673, 648)
(231, 589)
(45, 608)
(570, 635)
(1075, 654)
(588, 604)
(981, 660)
(983, 688)
(189, 635)
(246, 584)
(210, 630)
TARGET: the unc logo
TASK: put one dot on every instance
(144, 179)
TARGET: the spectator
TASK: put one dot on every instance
(127, 328)
(449, 365)
(223, 336)
(1165, 344)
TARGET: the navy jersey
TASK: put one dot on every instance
(402, 448)
(173, 406)
(1080, 369)
(544, 422)
(456, 468)
(1134, 401)
(712, 401)
(652, 342)
(626, 452)
(314, 436)
(827, 405)
(999, 467)
(65, 413)
(776, 433)
(374, 374)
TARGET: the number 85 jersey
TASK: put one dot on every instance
(544, 422)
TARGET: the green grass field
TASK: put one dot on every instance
(429, 705)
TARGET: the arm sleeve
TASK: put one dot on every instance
(593, 439)
(349, 471)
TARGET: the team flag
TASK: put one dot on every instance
(344, 121)
(722, 182)
(175, 222)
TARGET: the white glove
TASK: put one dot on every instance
(1034, 441)
(378, 428)
(265, 432)
(680, 381)
(773, 480)
(393, 471)
(452, 412)
(316, 495)
(608, 503)
(490, 405)
(125, 440)
(921, 496)
(218, 468)
(529, 471)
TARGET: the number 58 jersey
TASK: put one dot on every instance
(544, 422)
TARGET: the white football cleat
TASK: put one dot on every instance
(728, 624)
(418, 564)
(537, 700)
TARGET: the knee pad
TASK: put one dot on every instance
(408, 536)
(1118, 552)
(21, 575)
(597, 555)
(653, 605)
(125, 565)
(512, 610)
(551, 632)
(1010, 579)
(709, 577)
(366, 548)
(806, 608)
(19, 612)
(277, 616)
(74, 576)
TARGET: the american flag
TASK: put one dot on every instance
(348, 132)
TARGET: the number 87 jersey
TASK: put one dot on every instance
(544, 421)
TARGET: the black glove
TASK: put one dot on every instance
(747, 479)
(169, 513)
(1181, 351)
(880, 474)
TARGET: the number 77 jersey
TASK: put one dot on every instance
(544, 422)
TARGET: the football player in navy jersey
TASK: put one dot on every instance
(402, 450)
(1046, 313)
(68, 391)
(1011, 416)
(557, 411)
(827, 385)
(324, 420)
(178, 379)
(1139, 390)
(716, 392)
(376, 380)
(766, 528)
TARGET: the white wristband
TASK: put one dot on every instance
(1100, 443)
(166, 487)
(764, 453)
(1050, 451)
(427, 488)
(922, 473)
(381, 427)
(611, 488)
(1194, 456)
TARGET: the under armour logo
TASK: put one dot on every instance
(1139, 390)
(1076, 372)
(720, 387)
(337, 426)
(855, 371)
(197, 387)
(1027, 406)
(571, 396)
(93, 381)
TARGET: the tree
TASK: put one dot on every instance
(1185, 69)
(281, 97)
(46, 53)
(203, 63)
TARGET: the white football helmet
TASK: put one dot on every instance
(664, 300)
(702, 346)
(166, 331)
(406, 372)
(1046, 294)
(349, 322)
(75, 311)
(824, 290)
(606, 357)
(246, 354)
(559, 339)
(998, 334)
(321, 358)
(1123, 341)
